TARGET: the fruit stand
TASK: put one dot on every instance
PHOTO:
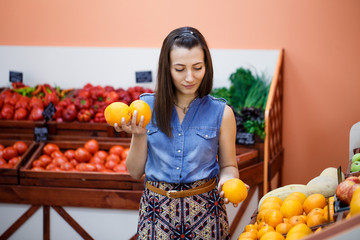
(57, 190)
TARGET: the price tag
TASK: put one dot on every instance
(143, 77)
(49, 111)
(245, 138)
(41, 134)
(15, 76)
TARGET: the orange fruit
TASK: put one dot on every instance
(315, 211)
(273, 199)
(355, 202)
(296, 236)
(250, 227)
(299, 228)
(297, 195)
(272, 236)
(291, 208)
(251, 235)
(265, 229)
(319, 229)
(315, 219)
(235, 190)
(115, 111)
(294, 220)
(143, 109)
(260, 218)
(269, 205)
(283, 228)
(315, 200)
(273, 217)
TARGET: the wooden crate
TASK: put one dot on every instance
(23, 127)
(96, 180)
(11, 175)
(80, 130)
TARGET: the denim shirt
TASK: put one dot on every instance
(191, 153)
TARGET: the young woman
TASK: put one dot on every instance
(187, 151)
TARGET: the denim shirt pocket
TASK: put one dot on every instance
(152, 130)
(206, 133)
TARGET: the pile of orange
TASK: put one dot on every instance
(114, 112)
(291, 218)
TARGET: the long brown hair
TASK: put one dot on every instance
(186, 37)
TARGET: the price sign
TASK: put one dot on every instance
(245, 138)
(49, 111)
(41, 134)
(143, 77)
(15, 76)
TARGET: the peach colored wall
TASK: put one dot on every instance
(321, 41)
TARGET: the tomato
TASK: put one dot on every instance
(36, 102)
(38, 169)
(49, 148)
(110, 164)
(80, 167)
(121, 167)
(36, 114)
(50, 166)
(69, 154)
(125, 153)
(38, 163)
(69, 113)
(2, 147)
(96, 159)
(106, 170)
(2, 161)
(66, 166)
(20, 147)
(14, 160)
(45, 159)
(101, 154)
(74, 162)
(7, 112)
(20, 114)
(59, 160)
(56, 153)
(9, 152)
(92, 146)
(117, 149)
(89, 167)
(82, 155)
(113, 157)
(7, 165)
(99, 167)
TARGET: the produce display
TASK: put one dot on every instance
(11, 155)
(87, 158)
(84, 105)
(295, 211)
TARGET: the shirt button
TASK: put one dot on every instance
(179, 134)
(148, 131)
(206, 136)
(177, 168)
(179, 150)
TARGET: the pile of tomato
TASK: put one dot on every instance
(86, 158)
(11, 155)
(84, 105)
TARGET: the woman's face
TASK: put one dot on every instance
(187, 67)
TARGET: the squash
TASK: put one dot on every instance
(283, 192)
(326, 185)
(331, 171)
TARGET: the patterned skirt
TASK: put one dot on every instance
(200, 216)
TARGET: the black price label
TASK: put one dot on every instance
(49, 111)
(41, 134)
(245, 138)
(15, 76)
(142, 77)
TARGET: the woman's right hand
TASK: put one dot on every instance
(131, 126)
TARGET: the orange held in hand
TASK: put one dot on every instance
(143, 109)
(114, 112)
(235, 190)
